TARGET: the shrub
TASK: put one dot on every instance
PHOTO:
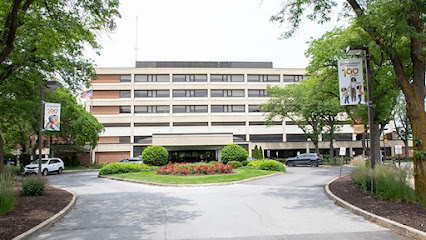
(75, 161)
(7, 193)
(233, 152)
(271, 165)
(358, 161)
(155, 155)
(390, 183)
(235, 163)
(245, 162)
(34, 185)
(114, 168)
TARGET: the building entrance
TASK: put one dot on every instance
(192, 156)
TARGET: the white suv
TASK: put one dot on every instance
(47, 165)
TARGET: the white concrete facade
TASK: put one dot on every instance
(174, 129)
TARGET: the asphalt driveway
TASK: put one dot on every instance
(288, 206)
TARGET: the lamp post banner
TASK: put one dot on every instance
(52, 117)
(351, 81)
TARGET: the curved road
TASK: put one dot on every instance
(289, 206)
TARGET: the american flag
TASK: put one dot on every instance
(87, 94)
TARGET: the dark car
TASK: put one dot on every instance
(312, 159)
(137, 159)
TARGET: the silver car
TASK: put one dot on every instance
(47, 165)
(132, 160)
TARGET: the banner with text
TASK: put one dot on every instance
(351, 81)
(52, 117)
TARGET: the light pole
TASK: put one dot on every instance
(50, 86)
(372, 138)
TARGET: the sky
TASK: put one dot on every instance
(203, 30)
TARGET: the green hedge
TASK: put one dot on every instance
(233, 152)
(271, 165)
(114, 168)
(155, 156)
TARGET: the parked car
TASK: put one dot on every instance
(47, 165)
(312, 159)
(137, 159)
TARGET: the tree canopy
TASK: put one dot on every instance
(397, 27)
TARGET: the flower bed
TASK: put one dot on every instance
(195, 169)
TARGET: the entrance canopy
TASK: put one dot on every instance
(192, 139)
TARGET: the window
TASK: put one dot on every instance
(152, 124)
(152, 109)
(189, 78)
(142, 139)
(293, 78)
(228, 123)
(125, 78)
(227, 93)
(258, 93)
(266, 138)
(227, 108)
(227, 78)
(125, 94)
(189, 124)
(189, 93)
(190, 109)
(264, 123)
(254, 108)
(296, 138)
(152, 78)
(125, 139)
(263, 78)
(124, 109)
(239, 138)
(151, 93)
(338, 137)
(116, 124)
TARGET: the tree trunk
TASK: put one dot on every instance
(375, 150)
(316, 144)
(407, 148)
(1, 155)
(331, 152)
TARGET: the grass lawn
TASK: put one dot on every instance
(152, 176)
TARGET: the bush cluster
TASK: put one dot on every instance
(7, 193)
(235, 163)
(155, 155)
(245, 162)
(233, 152)
(34, 185)
(114, 168)
(270, 165)
(386, 182)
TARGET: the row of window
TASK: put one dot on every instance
(213, 78)
(187, 124)
(189, 108)
(253, 138)
(193, 93)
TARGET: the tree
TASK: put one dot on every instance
(303, 104)
(78, 127)
(255, 152)
(397, 27)
(260, 152)
(402, 123)
(325, 52)
(44, 40)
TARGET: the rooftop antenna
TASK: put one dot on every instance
(136, 38)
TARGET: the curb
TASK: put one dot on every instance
(190, 185)
(33, 232)
(408, 231)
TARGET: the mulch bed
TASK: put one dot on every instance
(409, 214)
(31, 211)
